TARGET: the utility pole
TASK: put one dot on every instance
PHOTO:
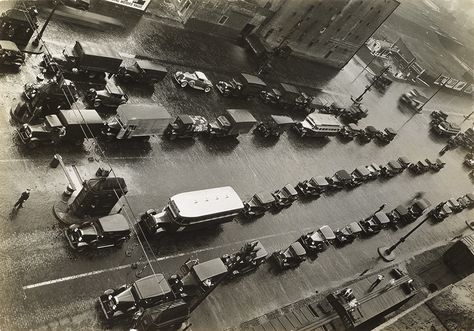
(387, 253)
(40, 34)
(368, 87)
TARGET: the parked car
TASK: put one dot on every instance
(111, 97)
(354, 229)
(368, 134)
(435, 165)
(446, 129)
(103, 232)
(341, 179)
(131, 300)
(10, 54)
(361, 175)
(369, 227)
(290, 257)
(386, 136)
(381, 219)
(455, 206)
(244, 86)
(313, 187)
(400, 215)
(274, 127)
(343, 237)
(328, 235)
(313, 242)
(404, 161)
(246, 260)
(186, 126)
(271, 96)
(440, 212)
(374, 170)
(391, 169)
(467, 201)
(469, 160)
(142, 71)
(350, 131)
(196, 80)
(419, 168)
(418, 207)
(258, 204)
(285, 197)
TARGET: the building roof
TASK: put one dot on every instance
(129, 111)
(207, 202)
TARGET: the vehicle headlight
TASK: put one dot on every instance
(110, 297)
(114, 307)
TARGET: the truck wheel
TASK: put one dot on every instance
(183, 84)
(97, 103)
(32, 144)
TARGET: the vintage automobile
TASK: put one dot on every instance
(259, 204)
(196, 80)
(341, 179)
(369, 227)
(10, 54)
(271, 96)
(455, 206)
(467, 201)
(435, 165)
(350, 131)
(51, 95)
(244, 85)
(469, 160)
(285, 197)
(111, 97)
(381, 219)
(313, 187)
(368, 134)
(291, 97)
(404, 161)
(232, 124)
(130, 300)
(274, 127)
(438, 116)
(361, 175)
(386, 136)
(343, 237)
(142, 71)
(413, 99)
(391, 169)
(399, 215)
(290, 257)
(353, 114)
(327, 234)
(374, 170)
(446, 129)
(246, 260)
(440, 212)
(318, 125)
(354, 229)
(186, 126)
(419, 168)
(313, 243)
(417, 208)
(103, 232)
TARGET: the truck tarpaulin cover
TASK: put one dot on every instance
(149, 118)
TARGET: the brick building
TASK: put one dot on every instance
(329, 31)
(229, 19)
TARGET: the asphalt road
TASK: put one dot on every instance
(46, 285)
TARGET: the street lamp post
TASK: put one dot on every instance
(387, 253)
(368, 87)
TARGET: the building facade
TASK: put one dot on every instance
(330, 32)
(226, 18)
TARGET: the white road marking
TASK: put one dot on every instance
(97, 272)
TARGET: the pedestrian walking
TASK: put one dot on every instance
(376, 282)
(23, 197)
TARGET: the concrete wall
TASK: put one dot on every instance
(328, 31)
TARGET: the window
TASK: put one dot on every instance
(223, 19)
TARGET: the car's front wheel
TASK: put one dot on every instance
(183, 84)
(207, 89)
(97, 103)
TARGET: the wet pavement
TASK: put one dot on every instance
(47, 286)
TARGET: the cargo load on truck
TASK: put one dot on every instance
(233, 123)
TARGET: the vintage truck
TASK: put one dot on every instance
(244, 86)
(142, 71)
(233, 123)
(86, 59)
(318, 125)
(69, 125)
(139, 121)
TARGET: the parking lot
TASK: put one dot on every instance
(46, 285)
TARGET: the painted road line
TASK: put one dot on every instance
(98, 272)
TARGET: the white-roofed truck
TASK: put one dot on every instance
(140, 121)
(192, 211)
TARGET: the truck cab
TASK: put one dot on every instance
(10, 55)
(49, 131)
(186, 126)
(233, 123)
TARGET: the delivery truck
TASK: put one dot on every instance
(137, 121)
(233, 123)
(88, 59)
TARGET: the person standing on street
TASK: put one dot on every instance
(23, 197)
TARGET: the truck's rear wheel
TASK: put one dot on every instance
(207, 89)
(183, 84)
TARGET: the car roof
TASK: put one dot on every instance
(390, 131)
(316, 236)
(363, 170)
(353, 126)
(298, 248)
(282, 119)
(114, 223)
(113, 88)
(186, 119)
(133, 111)
(355, 227)
(290, 189)
(200, 75)
(453, 202)
(395, 164)
(209, 269)
(53, 121)
(320, 180)
(327, 232)
(382, 217)
(205, 202)
(152, 286)
(402, 210)
(343, 174)
(422, 203)
(404, 159)
(289, 88)
(371, 128)
(470, 196)
(264, 197)
(8, 45)
(251, 79)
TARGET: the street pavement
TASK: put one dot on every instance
(45, 285)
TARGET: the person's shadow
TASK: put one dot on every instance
(13, 213)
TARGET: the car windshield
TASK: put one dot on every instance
(200, 75)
